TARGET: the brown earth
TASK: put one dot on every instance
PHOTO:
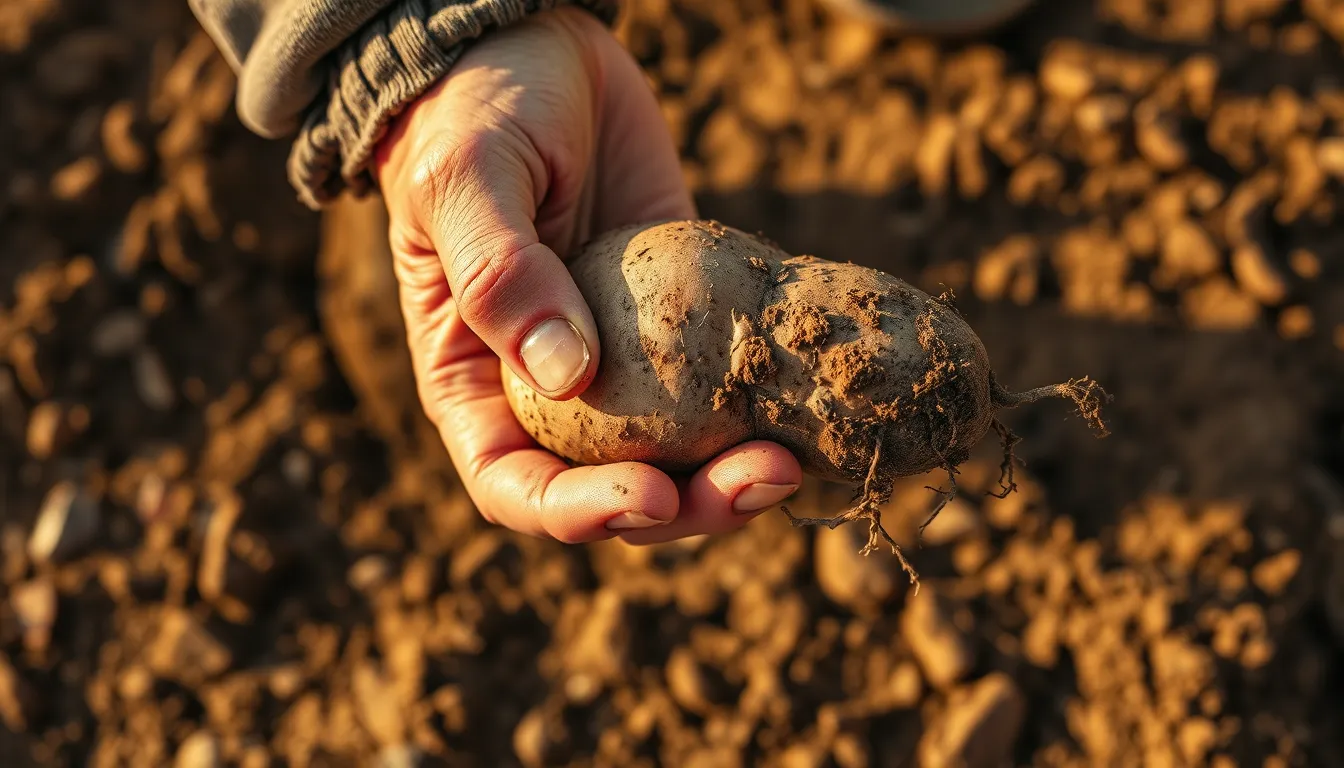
(227, 537)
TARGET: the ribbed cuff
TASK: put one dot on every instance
(378, 72)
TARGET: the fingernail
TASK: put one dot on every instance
(554, 354)
(631, 521)
(756, 497)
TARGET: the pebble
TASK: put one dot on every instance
(185, 651)
(850, 579)
(286, 682)
(379, 709)
(199, 750)
(15, 696)
(34, 605)
(1257, 276)
(1296, 322)
(531, 739)
(118, 334)
(135, 683)
(150, 498)
(118, 136)
(67, 523)
(686, 681)
(152, 381)
(599, 649)
(905, 687)
(297, 467)
(399, 756)
(979, 726)
(44, 427)
(957, 520)
(76, 180)
(213, 570)
(943, 652)
(803, 756)
(368, 572)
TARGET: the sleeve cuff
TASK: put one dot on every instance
(374, 75)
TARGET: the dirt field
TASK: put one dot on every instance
(227, 537)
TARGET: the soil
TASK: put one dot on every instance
(228, 537)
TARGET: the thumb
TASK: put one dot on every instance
(477, 199)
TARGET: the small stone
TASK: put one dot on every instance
(849, 45)
(686, 681)
(44, 430)
(399, 756)
(1065, 75)
(848, 578)
(15, 698)
(212, 573)
(74, 181)
(379, 710)
(119, 142)
(1272, 575)
(904, 688)
(152, 381)
(151, 498)
(286, 682)
(1304, 263)
(368, 572)
(297, 467)
(118, 333)
(1330, 156)
(533, 738)
(943, 652)
(979, 726)
(1296, 322)
(1256, 276)
(255, 756)
(199, 750)
(473, 556)
(1157, 139)
(185, 651)
(135, 683)
(34, 605)
(803, 756)
(957, 520)
(67, 523)
(600, 646)
(1040, 639)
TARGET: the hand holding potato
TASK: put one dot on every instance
(542, 135)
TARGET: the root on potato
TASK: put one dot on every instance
(711, 337)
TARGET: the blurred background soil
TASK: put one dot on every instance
(227, 536)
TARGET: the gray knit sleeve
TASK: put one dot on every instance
(337, 71)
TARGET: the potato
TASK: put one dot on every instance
(711, 337)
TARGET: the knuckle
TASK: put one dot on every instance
(441, 166)
(483, 277)
(431, 175)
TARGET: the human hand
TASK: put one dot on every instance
(543, 135)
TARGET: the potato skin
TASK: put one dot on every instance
(711, 337)
(662, 297)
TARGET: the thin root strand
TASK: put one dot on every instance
(1009, 440)
(1086, 394)
(868, 505)
(944, 498)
